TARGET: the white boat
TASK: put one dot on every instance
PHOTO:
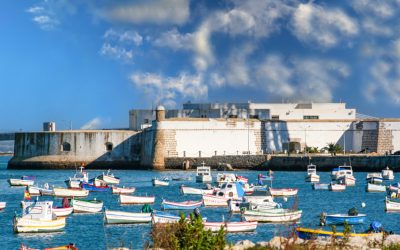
(203, 174)
(340, 171)
(122, 190)
(86, 206)
(283, 191)
(36, 191)
(157, 182)
(337, 187)
(375, 188)
(109, 178)
(37, 217)
(62, 211)
(129, 199)
(3, 205)
(191, 190)
(374, 178)
(160, 217)
(231, 227)
(387, 174)
(225, 178)
(262, 199)
(392, 205)
(277, 216)
(312, 175)
(70, 192)
(23, 181)
(236, 206)
(228, 191)
(119, 217)
(348, 180)
(77, 179)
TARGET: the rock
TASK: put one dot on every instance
(242, 245)
(277, 242)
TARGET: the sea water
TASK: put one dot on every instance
(87, 231)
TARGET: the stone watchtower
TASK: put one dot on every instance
(159, 140)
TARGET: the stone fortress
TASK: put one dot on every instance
(235, 133)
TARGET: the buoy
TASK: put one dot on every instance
(362, 204)
(285, 199)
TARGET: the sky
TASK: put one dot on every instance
(86, 63)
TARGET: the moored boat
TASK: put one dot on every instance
(283, 191)
(3, 205)
(75, 181)
(92, 187)
(341, 219)
(23, 181)
(86, 206)
(203, 174)
(70, 192)
(374, 178)
(340, 171)
(387, 174)
(120, 217)
(392, 205)
(129, 199)
(320, 186)
(278, 215)
(228, 191)
(348, 180)
(157, 182)
(225, 178)
(70, 246)
(192, 190)
(122, 190)
(309, 234)
(160, 217)
(312, 175)
(37, 217)
(336, 187)
(375, 188)
(109, 178)
(231, 227)
(62, 211)
(36, 190)
(185, 205)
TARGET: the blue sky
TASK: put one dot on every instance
(89, 62)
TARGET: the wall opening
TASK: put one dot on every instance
(109, 146)
(66, 146)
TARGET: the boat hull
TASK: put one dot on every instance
(189, 205)
(320, 186)
(191, 190)
(277, 217)
(375, 188)
(337, 187)
(62, 211)
(204, 178)
(164, 218)
(392, 206)
(129, 199)
(340, 219)
(3, 205)
(283, 191)
(86, 206)
(109, 179)
(231, 227)
(309, 234)
(118, 190)
(119, 217)
(24, 225)
(312, 178)
(214, 201)
(159, 183)
(20, 182)
(94, 188)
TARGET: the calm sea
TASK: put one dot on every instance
(88, 232)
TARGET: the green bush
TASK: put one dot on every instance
(187, 234)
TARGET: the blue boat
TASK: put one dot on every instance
(186, 205)
(92, 187)
(309, 233)
(340, 219)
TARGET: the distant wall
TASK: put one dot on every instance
(69, 149)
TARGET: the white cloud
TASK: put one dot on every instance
(44, 16)
(36, 10)
(381, 9)
(324, 27)
(175, 40)
(95, 123)
(167, 89)
(116, 52)
(374, 27)
(128, 36)
(150, 11)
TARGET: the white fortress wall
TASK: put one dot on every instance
(394, 127)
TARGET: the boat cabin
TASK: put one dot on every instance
(37, 210)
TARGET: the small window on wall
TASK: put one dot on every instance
(310, 117)
(66, 146)
(109, 146)
(146, 121)
(275, 117)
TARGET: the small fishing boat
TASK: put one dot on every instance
(119, 217)
(341, 171)
(312, 175)
(129, 199)
(3, 205)
(231, 227)
(203, 174)
(341, 219)
(36, 190)
(268, 177)
(122, 190)
(23, 181)
(192, 190)
(309, 234)
(225, 178)
(237, 206)
(320, 186)
(157, 182)
(374, 178)
(109, 178)
(387, 174)
(37, 217)
(273, 215)
(185, 205)
(70, 192)
(262, 199)
(392, 205)
(70, 246)
(283, 191)
(336, 187)
(95, 188)
(394, 187)
(375, 188)
(62, 211)
(348, 180)
(75, 181)
(86, 206)
(160, 217)
(228, 191)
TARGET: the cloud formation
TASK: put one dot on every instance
(119, 44)
(95, 123)
(43, 16)
(160, 12)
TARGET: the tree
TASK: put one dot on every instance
(334, 148)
